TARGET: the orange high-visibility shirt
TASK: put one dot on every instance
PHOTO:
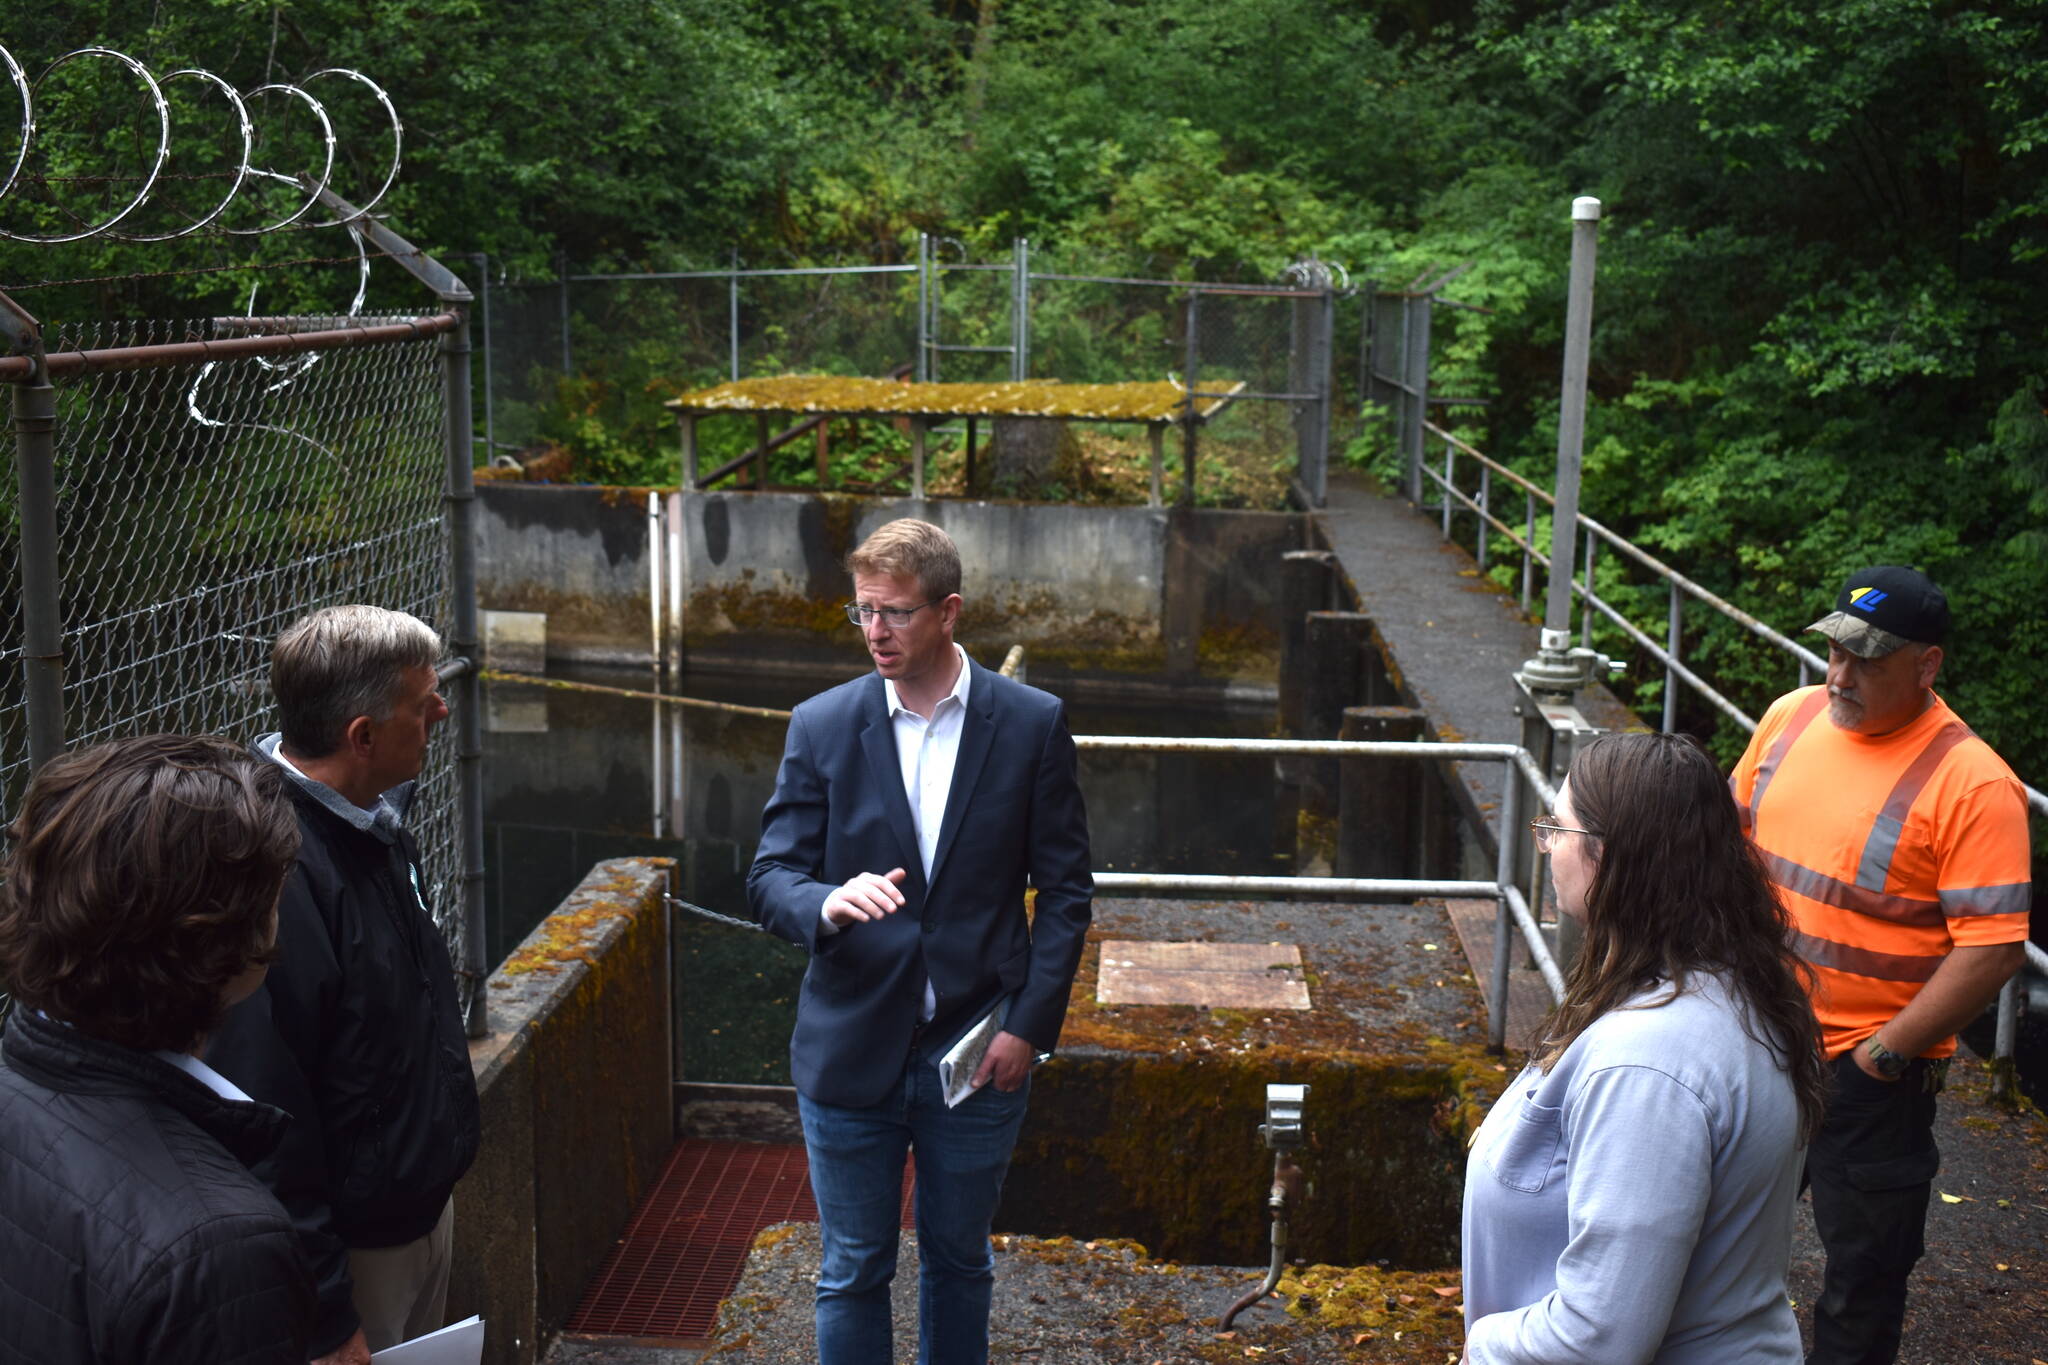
(1888, 851)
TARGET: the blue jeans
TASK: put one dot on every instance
(856, 1158)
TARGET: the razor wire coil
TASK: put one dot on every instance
(239, 177)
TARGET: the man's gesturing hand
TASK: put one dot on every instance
(868, 896)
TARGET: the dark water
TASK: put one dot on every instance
(575, 777)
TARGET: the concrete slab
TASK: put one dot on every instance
(1219, 975)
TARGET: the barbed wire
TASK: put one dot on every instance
(240, 176)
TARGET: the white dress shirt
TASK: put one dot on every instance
(927, 751)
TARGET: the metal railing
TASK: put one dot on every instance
(1514, 912)
(1669, 653)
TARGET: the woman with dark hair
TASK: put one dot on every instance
(139, 901)
(1630, 1197)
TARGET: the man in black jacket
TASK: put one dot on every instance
(358, 1034)
(138, 901)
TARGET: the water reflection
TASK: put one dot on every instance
(573, 777)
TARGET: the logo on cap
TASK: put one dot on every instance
(1866, 599)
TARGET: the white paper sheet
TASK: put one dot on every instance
(459, 1343)
(957, 1067)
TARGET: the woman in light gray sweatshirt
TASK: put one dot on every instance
(1629, 1198)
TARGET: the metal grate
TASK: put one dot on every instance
(683, 1249)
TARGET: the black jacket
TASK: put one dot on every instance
(130, 1227)
(358, 1035)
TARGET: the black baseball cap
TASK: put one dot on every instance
(1886, 608)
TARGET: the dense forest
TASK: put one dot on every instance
(1824, 263)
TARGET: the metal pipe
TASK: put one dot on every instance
(1187, 425)
(923, 307)
(1322, 748)
(42, 620)
(1286, 1183)
(60, 364)
(1507, 845)
(656, 579)
(482, 262)
(732, 316)
(1403, 887)
(1571, 417)
(1532, 935)
(1485, 502)
(460, 502)
(2007, 1041)
(562, 279)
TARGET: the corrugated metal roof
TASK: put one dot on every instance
(1160, 401)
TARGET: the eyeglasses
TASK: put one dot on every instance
(891, 616)
(1546, 831)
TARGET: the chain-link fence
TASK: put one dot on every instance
(201, 495)
(587, 360)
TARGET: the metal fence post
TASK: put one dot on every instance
(1571, 417)
(1503, 925)
(1415, 334)
(1020, 310)
(1187, 426)
(42, 622)
(922, 368)
(732, 315)
(1485, 507)
(562, 275)
(463, 641)
(482, 262)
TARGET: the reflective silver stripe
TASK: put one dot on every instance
(2014, 898)
(1822, 952)
(1818, 886)
(1794, 728)
(1875, 866)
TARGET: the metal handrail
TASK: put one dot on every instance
(1676, 671)
(1513, 914)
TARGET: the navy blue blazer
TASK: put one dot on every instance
(1014, 812)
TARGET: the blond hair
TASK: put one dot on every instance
(912, 548)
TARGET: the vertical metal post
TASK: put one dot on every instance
(1450, 475)
(1586, 608)
(42, 621)
(1158, 432)
(482, 262)
(562, 276)
(1020, 311)
(1485, 501)
(922, 363)
(464, 643)
(686, 422)
(1510, 838)
(1528, 543)
(1187, 426)
(1672, 630)
(917, 458)
(657, 543)
(2006, 1039)
(657, 770)
(1415, 332)
(732, 314)
(1571, 417)
(1805, 674)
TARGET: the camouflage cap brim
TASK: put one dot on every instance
(1858, 636)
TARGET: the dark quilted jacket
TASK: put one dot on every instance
(130, 1227)
(358, 1036)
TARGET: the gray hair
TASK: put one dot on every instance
(340, 663)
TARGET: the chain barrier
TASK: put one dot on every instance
(678, 903)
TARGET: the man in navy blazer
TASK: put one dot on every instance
(910, 809)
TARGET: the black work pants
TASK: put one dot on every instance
(1871, 1167)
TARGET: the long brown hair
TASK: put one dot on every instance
(1679, 889)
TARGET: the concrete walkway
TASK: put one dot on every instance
(1456, 639)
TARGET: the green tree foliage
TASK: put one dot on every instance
(1817, 339)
